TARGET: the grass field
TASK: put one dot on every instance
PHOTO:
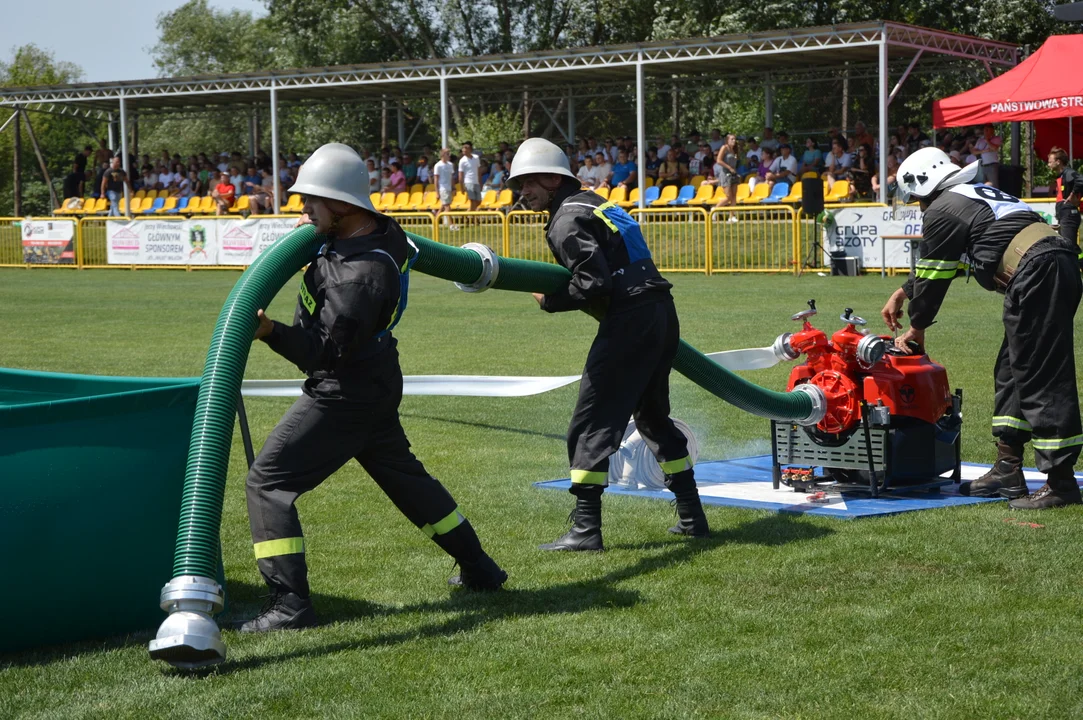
(953, 613)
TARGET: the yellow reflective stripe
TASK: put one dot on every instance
(444, 526)
(282, 546)
(675, 466)
(306, 298)
(1056, 443)
(927, 274)
(1008, 421)
(600, 212)
(938, 264)
(589, 477)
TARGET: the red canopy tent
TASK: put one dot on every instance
(1045, 88)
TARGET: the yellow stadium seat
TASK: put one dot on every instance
(417, 187)
(696, 180)
(402, 199)
(140, 193)
(431, 201)
(669, 192)
(618, 194)
(758, 193)
(460, 201)
(703, 195)
(374, 198)
(649, 181)
(417, 200)
(162, 194)
(123, 206)
(742, 192)
(293, 205)
(488, 200)
(632, 201)
(809, 174)
(603, 192)
(206, 206)
(240, 205)
(387, 201)
(431, 187)
(170, 204)
(796, 193)
(838, 193)
(504, 199)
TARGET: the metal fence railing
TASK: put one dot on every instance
(753, 238)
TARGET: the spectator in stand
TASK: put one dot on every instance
(409, 169)
(73, 182)
(610, 151)
(385, 179)
(663, 148)
(783, 139)
(783, 168)
(716, 140)
(252, 182)
(812, 160)
(573, 158)
(652, 164)
(224, 193)
(444, 172)
(769, 141)
(196, 188)
(603, 169)
(862, 171)
(701, 161)
(956, 158)
(726, 171)
(695, 139)
(81, 159)
(672, 172)
(624, 172)
(988, 148)
(914, 138)
(398, 179)
(583, 151)
(114, 180)
(586, 172)
(766, 158)
(754, 156)
(424, 172)
(838, 163)
(374, 176)
(183, 188)
(894, 160)
(148, 180)
(103, 154)
(497, 176)
(676, 144)
(237, 179)
(469, 177)
(861, 136)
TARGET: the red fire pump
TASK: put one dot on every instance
(890, 420)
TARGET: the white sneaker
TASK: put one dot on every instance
(733, 218)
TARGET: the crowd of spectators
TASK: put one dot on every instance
(721, 160)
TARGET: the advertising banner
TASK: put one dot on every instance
(48, 242)
(242, 240)
(860, 230)
(162, 242)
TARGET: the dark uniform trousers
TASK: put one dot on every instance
(1036, 397)
(627, 375)
(317, 436)
(1068, 217)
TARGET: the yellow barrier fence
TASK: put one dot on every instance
(461, 227)
(677, 238)
(753, 238)
(11, 242)
(41, 256)
(419, 223)
(809, 230)
(525, 236)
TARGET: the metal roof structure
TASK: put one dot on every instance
(780, 51)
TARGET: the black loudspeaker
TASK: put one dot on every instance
(1011, 179)
(812, 196)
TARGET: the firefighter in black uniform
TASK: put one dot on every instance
(1069, 195)
(627, 368)
(349, 299)
(1010, 250)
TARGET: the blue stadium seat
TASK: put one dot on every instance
(778, 191)
(157, 205)
(182, 205)
(652, 194)
(686, 194)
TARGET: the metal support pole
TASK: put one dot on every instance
(1017, 137)
(898, 86)
(883, 103)
(17, 166)
(54, 203)
(641, 134)
(1071, 150)
(252, 133)
(443, 111)
(246, 434)
(571, 117)
(124, 156)
(112, 134)
(274, 147)
(846, 99)
(769, 104)
(9, 121)
(135, 137)
(402, 127)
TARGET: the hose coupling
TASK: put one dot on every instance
(783, 350)
(189, 637)
(819, 404)
(490, 269)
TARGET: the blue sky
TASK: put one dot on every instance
(89, 33)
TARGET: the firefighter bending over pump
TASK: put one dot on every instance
(627, 368)
(1012, 251)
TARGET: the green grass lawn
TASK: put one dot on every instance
(949, 613)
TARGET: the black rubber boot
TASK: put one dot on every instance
(283, 611)
(483, 574)
(586, 519)
(691, 520)
(1005, 478)
(1060, 489)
